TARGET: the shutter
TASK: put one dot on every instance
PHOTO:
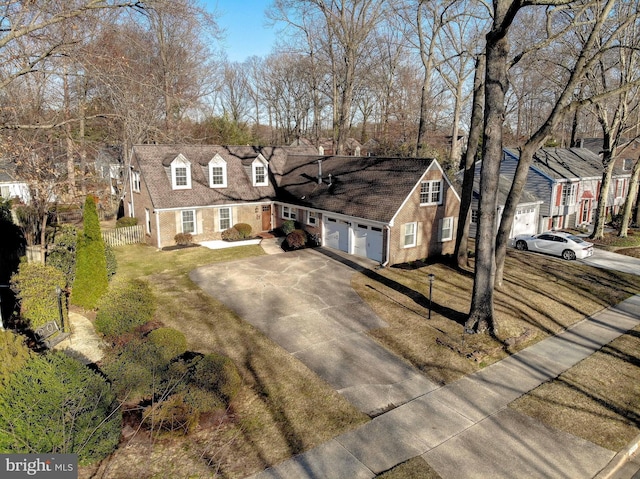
(440, 222)
(418, 234)
(598, 192)
(558, 195)
(178, 215)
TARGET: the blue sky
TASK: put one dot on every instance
(245, 31)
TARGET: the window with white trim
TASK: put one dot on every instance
(180, 173)
(410, 234)
(569, 194)
(135, 176)
(224, 219)
(446, 229)
(288, 213)
(4, 191)
(474, 217)
(259, 172)
(147, 220)
(189, 221)
(217, 172)
(619, 188)
(431, 192)
(627, 164)
(312, 218)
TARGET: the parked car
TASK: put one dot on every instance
(557, 243)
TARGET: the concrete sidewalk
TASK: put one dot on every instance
(465, 429)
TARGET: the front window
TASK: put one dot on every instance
(224, 219)
(181, 176)
(288, 213)
(409, 235)
(259, 169)
(474, 217)
(217, 172)
(136, 181)
(189, 221)
(312, 218)
(446, 230)
(4, 191)
(217, 176)
(431, 192)
(569, 194)
(619, 188)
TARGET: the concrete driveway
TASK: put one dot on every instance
(303, 301)
(613, 261)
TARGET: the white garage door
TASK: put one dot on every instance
(367, 242)
(336, 234)
(524, 222)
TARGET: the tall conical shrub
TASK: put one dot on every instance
(91, 266)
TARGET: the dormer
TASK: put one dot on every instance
(217, 172)
(260, 171)
(180, 173)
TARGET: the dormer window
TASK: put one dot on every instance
(259, 171)
(217, 172)
(181, 173)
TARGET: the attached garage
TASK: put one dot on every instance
(336, 234)
(354, 238)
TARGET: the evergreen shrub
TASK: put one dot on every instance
(288, 226)
(90, 281)
(55, 404)
(170, 342)
(183, 239)
(35, 287)
(14, 353)
(62, 252)
(218, 374)
(125, 306)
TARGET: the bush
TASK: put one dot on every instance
(296, 239)
(91, 281)
(136, 370)
(244, 230)
(124, 307)
(62, 253)
(35, 287)
(14, 353)
(171, 342)
(288, 227)
(230, 234)
(183, 239)
(126, 221)
(219, 375)
(55, 404)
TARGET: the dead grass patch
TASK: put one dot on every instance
(541, 296)
(598, 399)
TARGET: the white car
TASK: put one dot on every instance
(557, 243)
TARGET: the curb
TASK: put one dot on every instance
(619, 460)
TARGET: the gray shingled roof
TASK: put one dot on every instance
(154, 161)
(504, 186)
(364, 187)
(7, 171)
(566, 163)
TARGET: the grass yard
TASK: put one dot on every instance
(285, 409)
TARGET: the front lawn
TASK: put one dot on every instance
(282, 410)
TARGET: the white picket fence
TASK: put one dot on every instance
(123, 236)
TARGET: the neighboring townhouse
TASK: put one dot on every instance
(567, 181)
(387, 209)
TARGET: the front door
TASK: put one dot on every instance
(266, 218)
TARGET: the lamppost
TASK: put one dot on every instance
(432, 278)
(59, 293)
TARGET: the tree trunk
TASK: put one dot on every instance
(481, 315)
(630, 200)
(601, 216)
(464, 217)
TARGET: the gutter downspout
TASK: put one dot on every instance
(388, 248)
